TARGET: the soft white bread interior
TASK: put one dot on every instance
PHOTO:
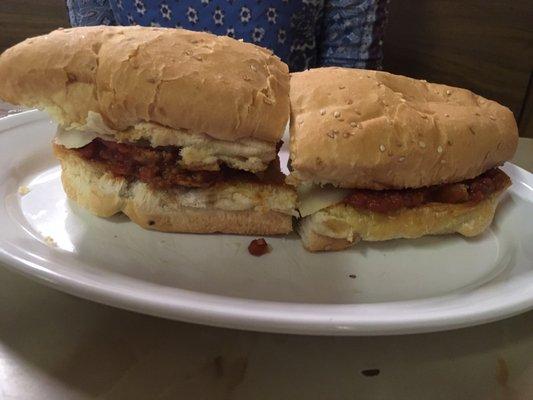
(228, 207)
(374, 130)
(180, 79)
(341, 226)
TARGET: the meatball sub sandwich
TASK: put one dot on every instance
(179, 130)
(378, 156)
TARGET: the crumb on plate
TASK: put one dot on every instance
(49, 240)
(23, 190)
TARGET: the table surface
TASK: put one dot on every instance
(56, 346)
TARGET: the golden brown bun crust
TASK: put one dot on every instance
(341, 226)
(173, 77)
(104, 195)
(247, 222)
(367, 129)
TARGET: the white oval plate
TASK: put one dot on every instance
(401, 286)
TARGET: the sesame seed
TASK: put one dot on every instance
(446, 115)
(439, 149)
(350, 101)
(492, 118)
(246, 78)
(342, 87)
(322, 112)
(337, 114)
(403, 100)
(477, 114)
(401, 159)
(188, 52)
(266, 100)
(422, 144)
(381, 148)
(332, 134)
(197, 57)
(252, 67)
(353, 124)
(448, 93)
(423, 116)
(423, 80)
(472, 131)
(379, 84)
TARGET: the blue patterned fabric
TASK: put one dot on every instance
(90, 12)
(352, 34)
(287, 27)
(303, 33)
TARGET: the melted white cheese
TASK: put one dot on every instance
(78, 135)
(95, 123)
(74, 139)
(315, 198)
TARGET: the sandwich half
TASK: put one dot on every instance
(378, 156)
(179, 130)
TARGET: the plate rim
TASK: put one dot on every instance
(266, 316)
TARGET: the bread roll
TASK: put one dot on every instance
(374, 130)
(180, 79)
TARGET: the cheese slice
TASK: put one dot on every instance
(315, 198)
(79, 135)
(74, 139)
